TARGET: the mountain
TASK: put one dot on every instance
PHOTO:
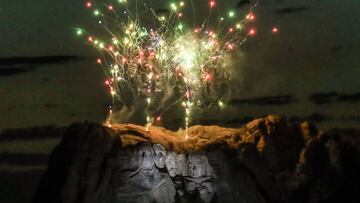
(267, 160)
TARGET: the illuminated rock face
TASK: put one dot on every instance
(146, 179)
(265, 161)
(138, 177)
(90, 165)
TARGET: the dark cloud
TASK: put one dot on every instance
(4, 72)
(266, 101)
(332, 97)
(350, 118)
(19, 65)
(323, 98)
(44, 132)
(23, 159)
(38, 60)
(320, 117)
(237, 122)
(315, 118)
(349, 97)
(291, 10)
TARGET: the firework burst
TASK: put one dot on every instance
(165, 55)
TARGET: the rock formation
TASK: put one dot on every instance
(267, 160)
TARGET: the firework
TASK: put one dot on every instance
(165, 54)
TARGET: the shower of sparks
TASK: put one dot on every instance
(155, 54)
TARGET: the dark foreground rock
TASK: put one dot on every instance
(267, 160)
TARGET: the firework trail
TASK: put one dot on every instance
(168, 56)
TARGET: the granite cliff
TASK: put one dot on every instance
(267, 160)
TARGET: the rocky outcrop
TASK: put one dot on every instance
(267, 160)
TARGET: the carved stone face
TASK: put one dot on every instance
(197, 166)
(207, 191)
(146, 157)
(145, 183)
(171, 164)
(199, 177)
(160, 155)
(175, 164)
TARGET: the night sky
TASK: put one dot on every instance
(309, 71)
